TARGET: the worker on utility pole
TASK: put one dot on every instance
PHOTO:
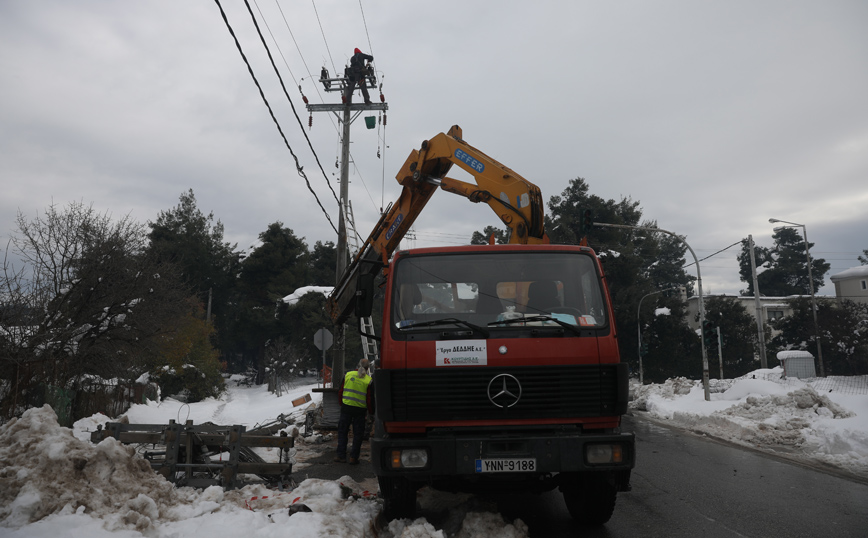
(356, 75)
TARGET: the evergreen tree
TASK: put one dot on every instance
(739, 339)
(636, 262)
(323, 260)
(501, 236)
(783, 269)
(272, 270)
(673, 348)
(194, 242)
(843, 333)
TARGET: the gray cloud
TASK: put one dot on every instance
(715, 116)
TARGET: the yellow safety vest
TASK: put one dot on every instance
(356, 389)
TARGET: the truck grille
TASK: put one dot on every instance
(463, 393)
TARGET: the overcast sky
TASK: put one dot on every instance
(715, 116)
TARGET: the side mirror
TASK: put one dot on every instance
(364, 295)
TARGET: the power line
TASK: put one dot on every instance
(324, 37)
(298, 166)
(370, 46)
(310, 75)
(712, 255)
(276, 44)
(291, 104)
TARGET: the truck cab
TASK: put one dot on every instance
(500, 371)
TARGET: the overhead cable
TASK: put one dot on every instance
(712, 255)
(276, 44)
(291, 104)
(271, 112)
(324, 37)
(365, 21)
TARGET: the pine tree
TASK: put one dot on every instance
(783, 269)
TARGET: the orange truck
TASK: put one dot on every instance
(499, 366)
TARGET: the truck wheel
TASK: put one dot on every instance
(399, 498)
(591, 501)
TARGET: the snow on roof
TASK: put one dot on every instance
(794, 354)
(294, 297)
(853, 272)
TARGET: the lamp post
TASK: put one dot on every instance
(698, 288)
(811, 287)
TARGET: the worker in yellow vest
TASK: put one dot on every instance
(356, 403)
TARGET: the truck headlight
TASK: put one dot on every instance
(408, 458)
(597, 454)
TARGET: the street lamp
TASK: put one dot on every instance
(811, 285)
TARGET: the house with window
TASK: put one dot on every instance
(772, 308)
(852, 284)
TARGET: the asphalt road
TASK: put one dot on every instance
(683, 485)
(688, 485)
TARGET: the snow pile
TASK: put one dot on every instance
(465, 517)
(296, 296)
(55, 482)
(50, 480)
(46, 470)
(831, 428)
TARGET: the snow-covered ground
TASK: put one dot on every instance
(55, 483)
(821, 420)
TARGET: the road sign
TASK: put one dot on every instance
(322, 339)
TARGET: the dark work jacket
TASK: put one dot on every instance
(357, 65)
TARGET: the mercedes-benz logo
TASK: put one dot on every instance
(504, 390)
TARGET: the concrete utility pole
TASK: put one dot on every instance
(758, 305)
(346, 114)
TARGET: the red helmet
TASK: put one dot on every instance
(357, 51)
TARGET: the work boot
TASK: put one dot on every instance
(354, 461)
(339, 459)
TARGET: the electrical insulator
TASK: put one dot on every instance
(384, 120)
(304, 98)
(310, 121)
(382, 98)
(344, 99)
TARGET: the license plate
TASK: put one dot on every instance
(506, 465)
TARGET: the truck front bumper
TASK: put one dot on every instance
(456, 455)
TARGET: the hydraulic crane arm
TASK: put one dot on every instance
(516, 201)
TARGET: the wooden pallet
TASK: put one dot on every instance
(182, 454)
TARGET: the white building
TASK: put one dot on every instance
(771, 307)
(852, 284)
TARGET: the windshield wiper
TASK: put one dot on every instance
(540, 317)
(445, 321)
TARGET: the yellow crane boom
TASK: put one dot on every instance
(516, 201)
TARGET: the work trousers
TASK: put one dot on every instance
(357, 420)
(351, 86)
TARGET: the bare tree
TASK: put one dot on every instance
(283, 363)
(81, 297)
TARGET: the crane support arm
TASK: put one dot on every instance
(516, 201)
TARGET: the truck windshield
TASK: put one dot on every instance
(500, 290)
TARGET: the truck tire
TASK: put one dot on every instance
(592, 500)
(399, 498)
